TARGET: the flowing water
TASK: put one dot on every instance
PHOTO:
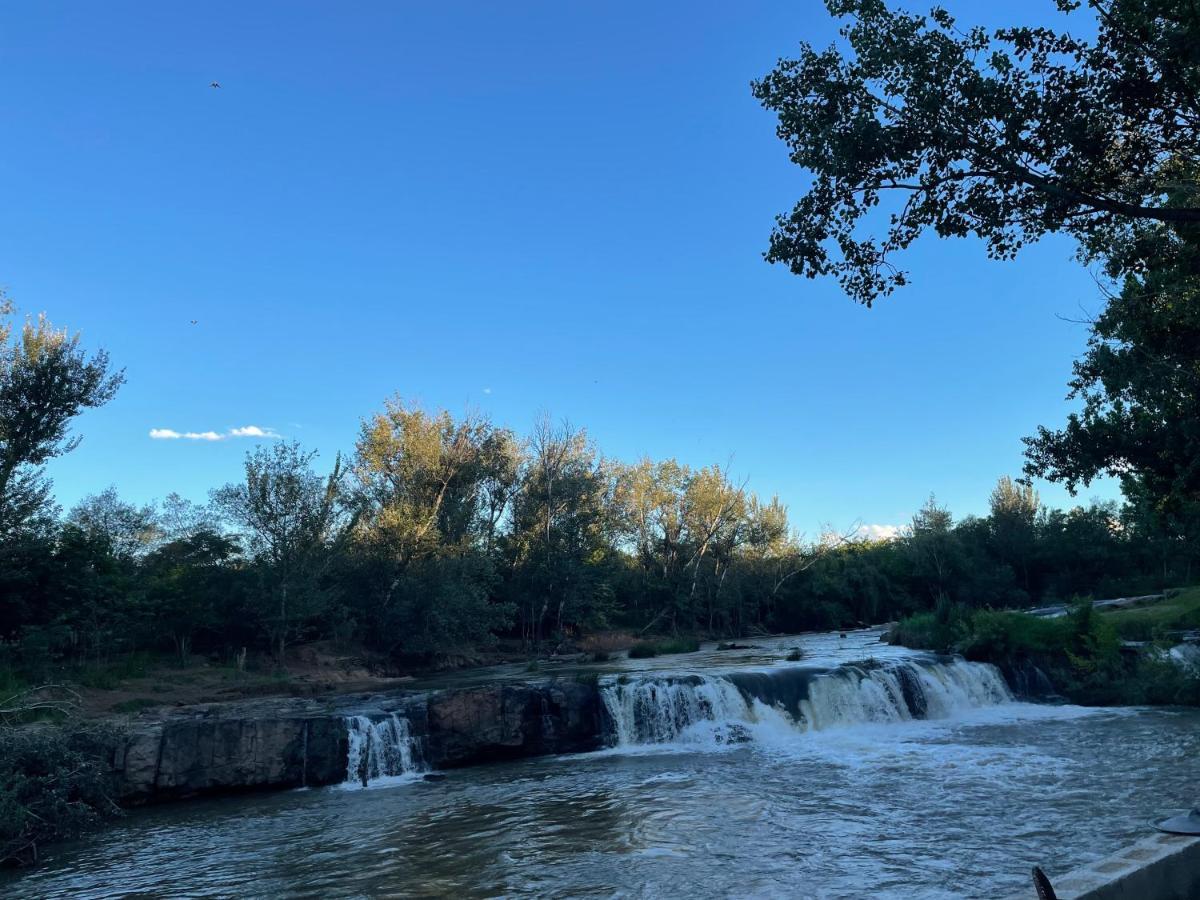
(729, 774)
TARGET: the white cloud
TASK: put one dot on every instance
(251, 431)
(878, 532)
(487, 390)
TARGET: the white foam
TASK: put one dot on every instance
(381, 752)
(652, 714)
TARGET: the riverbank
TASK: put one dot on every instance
(769, 689)
(131, 683)
(447, 720)
(1094, 654)
(864, 765)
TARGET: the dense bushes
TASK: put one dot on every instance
(54, 784)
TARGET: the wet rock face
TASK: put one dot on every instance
(510, 721)
(1028, 682)
(264, 745)
(190, 755)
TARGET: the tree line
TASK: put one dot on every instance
(441, 534)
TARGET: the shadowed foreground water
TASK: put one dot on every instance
(916, 809)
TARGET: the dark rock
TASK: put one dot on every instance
(225, 747)
(282, 743)
(510, 721)
(1028, 682)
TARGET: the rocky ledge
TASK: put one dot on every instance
(226, 748)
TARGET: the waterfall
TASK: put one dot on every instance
(657, 710)
(381, 749)
(725, 708)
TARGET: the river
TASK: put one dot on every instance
(733, 774)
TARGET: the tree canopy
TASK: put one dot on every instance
(917, 125)
(46, 380)
(1139, 384)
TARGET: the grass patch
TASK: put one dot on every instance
(1180, 612)
(644, 650)
(107, 676)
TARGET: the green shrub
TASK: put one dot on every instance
(990, 636)
(646, 649)
(1159, 682)
(678, 645)
(54, 784)
(600, 656)
(937, 630)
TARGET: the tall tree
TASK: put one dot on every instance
(560, 541)
(433, 493)
(934, 551)
(191, 585)
(1013, 524)
(46, 380)
(293, 521)
(127, 531)
(1139, 385)
(1007, 136)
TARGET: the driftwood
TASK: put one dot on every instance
(43, 698)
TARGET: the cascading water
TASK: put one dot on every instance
(657, 710)
(723, 708)
(385, 748)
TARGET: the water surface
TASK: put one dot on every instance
(958, 806)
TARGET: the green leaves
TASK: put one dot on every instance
(1139, 385)
(1006, 137)
(46, 380)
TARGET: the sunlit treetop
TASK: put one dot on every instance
(916, 124)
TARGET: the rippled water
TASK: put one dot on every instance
(949, 808)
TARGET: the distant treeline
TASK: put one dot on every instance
(441, 534)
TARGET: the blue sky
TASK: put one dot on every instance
(513, 207)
